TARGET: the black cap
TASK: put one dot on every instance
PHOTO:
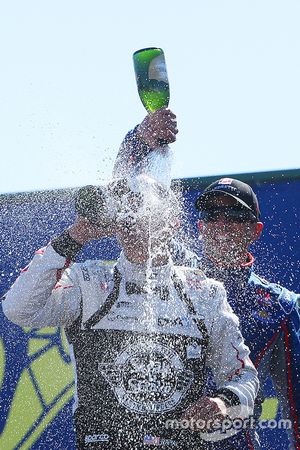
(236, 189)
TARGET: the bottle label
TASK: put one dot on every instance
(157, 69)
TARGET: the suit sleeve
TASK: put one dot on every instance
(39, 297)
(285, 373)
(229, 360)
(131, 156)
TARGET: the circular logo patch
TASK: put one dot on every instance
(147, 377)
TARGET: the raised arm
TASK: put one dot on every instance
(154, 132)
(47, 292)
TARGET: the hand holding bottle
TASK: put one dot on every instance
(158, 128)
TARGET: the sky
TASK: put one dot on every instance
(68, 93)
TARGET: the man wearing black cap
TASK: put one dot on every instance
(229, 223)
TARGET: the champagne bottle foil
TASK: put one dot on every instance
(91, 203)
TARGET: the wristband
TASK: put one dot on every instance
(66, 246)
(229, 398)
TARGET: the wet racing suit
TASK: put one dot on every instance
(140, 346)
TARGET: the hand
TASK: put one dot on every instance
(83, 231)
(161, 126)
(206, 409)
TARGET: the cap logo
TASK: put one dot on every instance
(226, 185)
(225, 181)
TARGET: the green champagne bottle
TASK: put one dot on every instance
(152, 78)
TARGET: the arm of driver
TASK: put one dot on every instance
(228, 357)
(161, 126)
(37, 299)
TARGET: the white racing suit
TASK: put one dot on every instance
(141, 343)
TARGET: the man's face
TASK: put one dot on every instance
(144, 239)
(146, 226)
(227, 231)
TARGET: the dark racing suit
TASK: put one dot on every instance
(140, 346)
(270, 324)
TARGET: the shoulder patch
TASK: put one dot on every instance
(274, 292)
(195, 278)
